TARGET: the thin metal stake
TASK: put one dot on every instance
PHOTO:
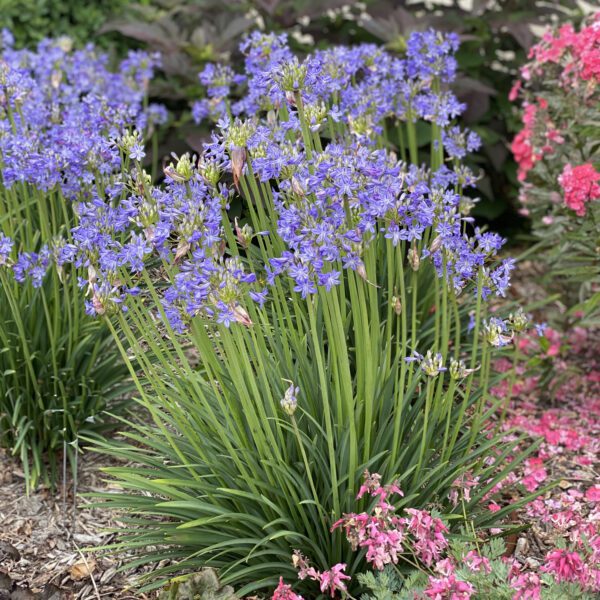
(64, 476)
(75, 476)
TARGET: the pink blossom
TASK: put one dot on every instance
(449, 588)
(593, 494)
(428, 532)
(514, 91)
(528, 586)
(565, 566)
(475, 562)
(284, 592)
(382, 531)
(445, 567)
(461, 488)
(333, 579)
(535, 473)
(580, 185)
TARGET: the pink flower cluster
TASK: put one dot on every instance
(381, 532)
(449, 588)
(526, 147)
(284, 592)
(573, 59)
(577, 52)
(580, 185)
(330, 581)
(429, 541)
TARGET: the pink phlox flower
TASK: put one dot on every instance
(580, 185)
(593, 494)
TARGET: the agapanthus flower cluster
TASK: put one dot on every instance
(60, 110)
(331, 201)
(359, 85)
(180, 224)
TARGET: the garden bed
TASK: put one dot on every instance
(46, 548)
(42, 545)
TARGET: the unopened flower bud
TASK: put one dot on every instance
(290, 98)
(362, 271)
(92, 275)
(244, 234)
(397, 305)
(210, 171)
(238, 160)
(466, 205)
(182, 250)
(413, 258)
(65, 43)
(289, 402)
(297, 188)
(55, 79)
(271, 118)
(494, 333)
(98, 305)
(241, 316)
(436, 244)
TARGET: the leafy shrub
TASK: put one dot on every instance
(321, 331)
(559, 155)
(30, 21)
(59, 368)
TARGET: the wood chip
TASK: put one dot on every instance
(83, 569)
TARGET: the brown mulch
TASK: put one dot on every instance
(46, 545)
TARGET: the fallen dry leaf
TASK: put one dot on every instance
(82, 569)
